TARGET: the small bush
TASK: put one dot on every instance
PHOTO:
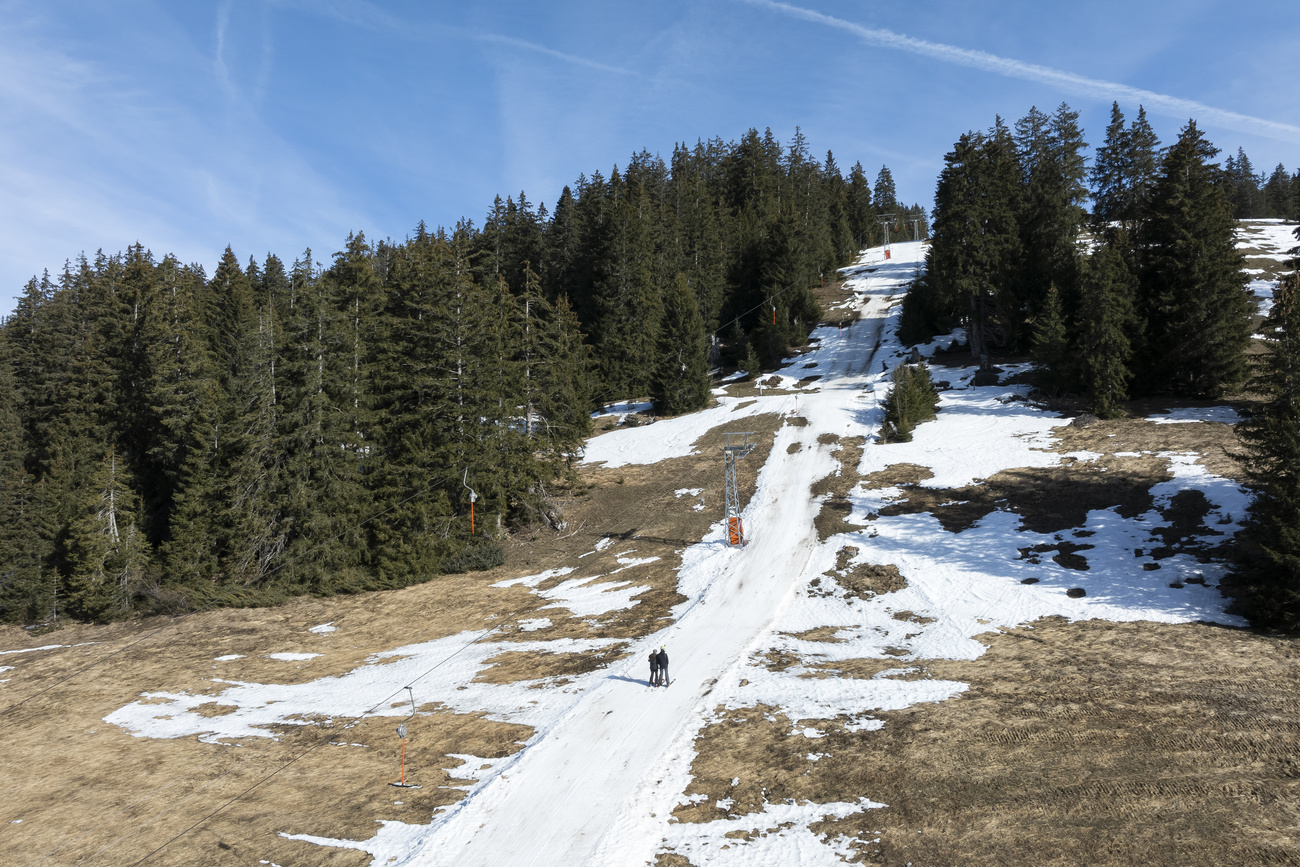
(477, 556)
(911, 400)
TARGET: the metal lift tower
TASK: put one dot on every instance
(732, 452)
(886, 220)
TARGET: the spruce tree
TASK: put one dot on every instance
(884, 194)
(25, 588)
(1051, 157)
(1052, 352)
(1194, 299)
(1111, 173)
(861, 210)
(681, 381)
(104, 552)
(1106, 318)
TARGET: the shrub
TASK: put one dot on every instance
(477, 556)
(910, 400)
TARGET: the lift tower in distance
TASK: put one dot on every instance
(885, 221)
(732, 452)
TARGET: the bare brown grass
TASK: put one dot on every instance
(1121, 744)
(89, 793)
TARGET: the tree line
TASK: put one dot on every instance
(170, 440)
(1149, 281)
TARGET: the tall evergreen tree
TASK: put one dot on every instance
(1194, 298)
(1106, 318)
(104, 553)
(1112, 173)
(681, 381)
(1052, 350)
(884, 193)
(26, 591)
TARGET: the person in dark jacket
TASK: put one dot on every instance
(654, 668)
(662, 658)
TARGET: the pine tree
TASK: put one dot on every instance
(1143, 162)
(1051, 157)
(1052, 352)
(911, 399)
(105, 554)
(1276, 192)
(861, 210)
(1106, 317)
(1111, 173)
(25, 586)
(976, 251)
(884, 194)
(626, 304)
(1194, 299)
(681, 381)
(1243, 187)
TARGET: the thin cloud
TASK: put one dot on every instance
(1067, 81)
(550, 52)
(361, 13)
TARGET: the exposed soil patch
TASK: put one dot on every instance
(870, 579)
(513, 666)
(833, 298)
(896, 475)
(1067, 555)
(1214, 443)
(862, 580)
(1048, 500)
(829, 634)
(1136, 743)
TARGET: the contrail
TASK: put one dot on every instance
(1067, 81)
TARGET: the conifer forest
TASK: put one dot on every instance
(1144, 296)
(174, 440)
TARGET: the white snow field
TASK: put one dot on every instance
(610, 759)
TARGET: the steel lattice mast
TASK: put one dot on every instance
(731, 453)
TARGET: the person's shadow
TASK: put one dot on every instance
(635, 680)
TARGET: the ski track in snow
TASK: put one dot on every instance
(610, 759)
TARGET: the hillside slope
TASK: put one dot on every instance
(990, 643)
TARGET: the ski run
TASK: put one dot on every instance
(610, 759)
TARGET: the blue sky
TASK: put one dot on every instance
(277, 125)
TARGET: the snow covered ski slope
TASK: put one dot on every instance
(576, 795)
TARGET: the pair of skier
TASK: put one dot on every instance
(659, 667)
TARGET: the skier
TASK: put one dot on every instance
(662, 658)
(654, 668)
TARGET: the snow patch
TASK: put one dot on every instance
(1185, 415)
